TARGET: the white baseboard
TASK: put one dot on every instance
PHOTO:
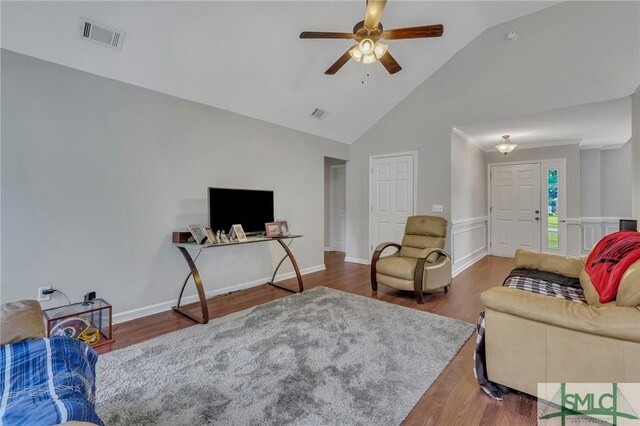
(356, 260)
(165, 306)
(327, 249)
(457, 269)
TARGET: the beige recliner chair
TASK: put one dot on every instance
(533, 338)
(420, 264)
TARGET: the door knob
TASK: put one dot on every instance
(537, 211)
(537, 218)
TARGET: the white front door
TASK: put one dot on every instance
(515, 208)
(392, 197)
(338, 225)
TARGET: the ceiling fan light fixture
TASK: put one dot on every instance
(380, 49)
(356, 54)
(367, 46)
(369, 59)
(506, 146)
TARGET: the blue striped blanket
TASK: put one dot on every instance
(47, 381)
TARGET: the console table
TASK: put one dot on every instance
(191, 261)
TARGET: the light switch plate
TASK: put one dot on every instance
(437, 208)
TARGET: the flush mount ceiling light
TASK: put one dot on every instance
(506, 146)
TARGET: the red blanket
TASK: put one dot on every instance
(610, 259)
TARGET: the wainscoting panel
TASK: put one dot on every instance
(594, 228)
(469, 242)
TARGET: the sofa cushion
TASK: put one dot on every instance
(20, 321)
(629, 288)
(558, 264)
(590, 293)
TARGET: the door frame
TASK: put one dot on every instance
(414, 154)
(332, 216)
(562, 185)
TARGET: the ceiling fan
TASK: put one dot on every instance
(368, 34)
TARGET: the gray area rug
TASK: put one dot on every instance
(322, 357)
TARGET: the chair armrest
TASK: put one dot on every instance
(424, 254)
(374, 259)
(609, 321)
(383, 246)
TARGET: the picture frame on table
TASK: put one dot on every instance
(211, 237)
(284, 228)
(272, 229)
(198, 233)
(239, 232)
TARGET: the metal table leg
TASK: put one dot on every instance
(295, 267)
(201, 295)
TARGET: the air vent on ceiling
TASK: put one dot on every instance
(319, 113)
(102, 34)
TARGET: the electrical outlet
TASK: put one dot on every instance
(44, 297)
(437, 208)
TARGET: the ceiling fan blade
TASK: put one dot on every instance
(375, 8)
(320, 34)
(414, 32)
(389, 63)
(339, 63)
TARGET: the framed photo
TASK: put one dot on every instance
(210, 236)
(242, 237)
(198, 233)
(284, 228)
(273, 229)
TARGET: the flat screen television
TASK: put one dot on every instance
(250, 208)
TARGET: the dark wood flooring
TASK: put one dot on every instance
(453, 399)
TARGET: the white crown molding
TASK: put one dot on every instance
(467, 137)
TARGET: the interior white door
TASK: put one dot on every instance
(338, 224)
(515, 208)
(392, 198)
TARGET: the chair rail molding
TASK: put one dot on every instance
(468, 242)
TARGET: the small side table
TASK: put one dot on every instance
(90, 322)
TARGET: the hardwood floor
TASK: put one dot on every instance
(453, 399)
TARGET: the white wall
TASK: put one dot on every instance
(591, 182)
(96, 174)
(606, 194)
(635, 140)
(469, 221)
(616, 182)
(485, 81)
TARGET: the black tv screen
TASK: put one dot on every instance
(250, 208)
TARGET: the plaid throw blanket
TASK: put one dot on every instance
(538, 282)
(47, 381)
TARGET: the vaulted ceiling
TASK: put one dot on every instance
(246, 57)
(604, 124)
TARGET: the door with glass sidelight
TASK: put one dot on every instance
(527, 208)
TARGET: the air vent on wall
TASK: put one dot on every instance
(319, 113)
(102, 34)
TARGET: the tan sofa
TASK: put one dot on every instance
(532, 338)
